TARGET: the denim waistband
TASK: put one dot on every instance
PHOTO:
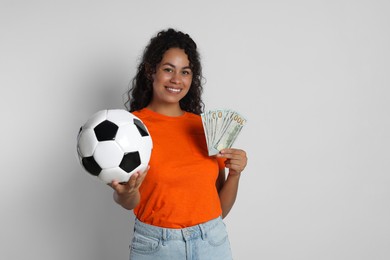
(186, 234)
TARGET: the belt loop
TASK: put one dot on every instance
(203, 231)
(164, 236)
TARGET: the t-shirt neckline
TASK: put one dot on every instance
(162, 116)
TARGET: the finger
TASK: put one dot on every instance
(133, 180)
(139, 180)
(227, 151)
(147, 169)
(234, 156)
(114, 183)
(235, 167)
(240, 158)
(232, 151)
(117, 186)
(142, 176)
(236, 163)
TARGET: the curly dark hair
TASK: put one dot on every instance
(141, 91)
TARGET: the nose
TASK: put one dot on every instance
(176, 78)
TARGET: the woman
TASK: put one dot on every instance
(179, 202)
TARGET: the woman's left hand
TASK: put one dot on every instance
(236, 159)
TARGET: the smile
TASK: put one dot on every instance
(173, 90)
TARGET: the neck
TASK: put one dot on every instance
(167, 110)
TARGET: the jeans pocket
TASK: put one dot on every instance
(217, 235)
(145, 245)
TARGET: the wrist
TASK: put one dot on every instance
(234, 174)
(123, 196)
(127, 200)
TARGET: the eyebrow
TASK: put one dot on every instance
(170, 64)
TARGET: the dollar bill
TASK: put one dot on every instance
(221, 128)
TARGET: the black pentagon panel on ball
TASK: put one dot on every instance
(78, 135)
(105, 131)
(130, 161)
(91, 165)
(141, 128)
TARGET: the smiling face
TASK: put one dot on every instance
(171, 81)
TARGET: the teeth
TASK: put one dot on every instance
(174, 90)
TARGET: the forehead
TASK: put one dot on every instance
(175, 55)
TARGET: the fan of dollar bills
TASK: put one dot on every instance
(221, 128)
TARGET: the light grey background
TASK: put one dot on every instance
(312, 77)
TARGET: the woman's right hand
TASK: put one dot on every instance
(127, 194)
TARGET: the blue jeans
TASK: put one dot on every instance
(207, 241)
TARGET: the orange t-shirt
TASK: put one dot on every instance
(179, 189)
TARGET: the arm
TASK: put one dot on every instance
(236, 161)
(127, 195)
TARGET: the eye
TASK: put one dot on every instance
(186, 72)
(167, 69)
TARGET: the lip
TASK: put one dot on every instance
(173, 90)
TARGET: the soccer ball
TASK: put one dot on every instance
(113, 144)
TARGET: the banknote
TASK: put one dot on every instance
(221, 128)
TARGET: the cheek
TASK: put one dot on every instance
(157, 81)
(156, 78)
(161, 79)
(188, 82)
